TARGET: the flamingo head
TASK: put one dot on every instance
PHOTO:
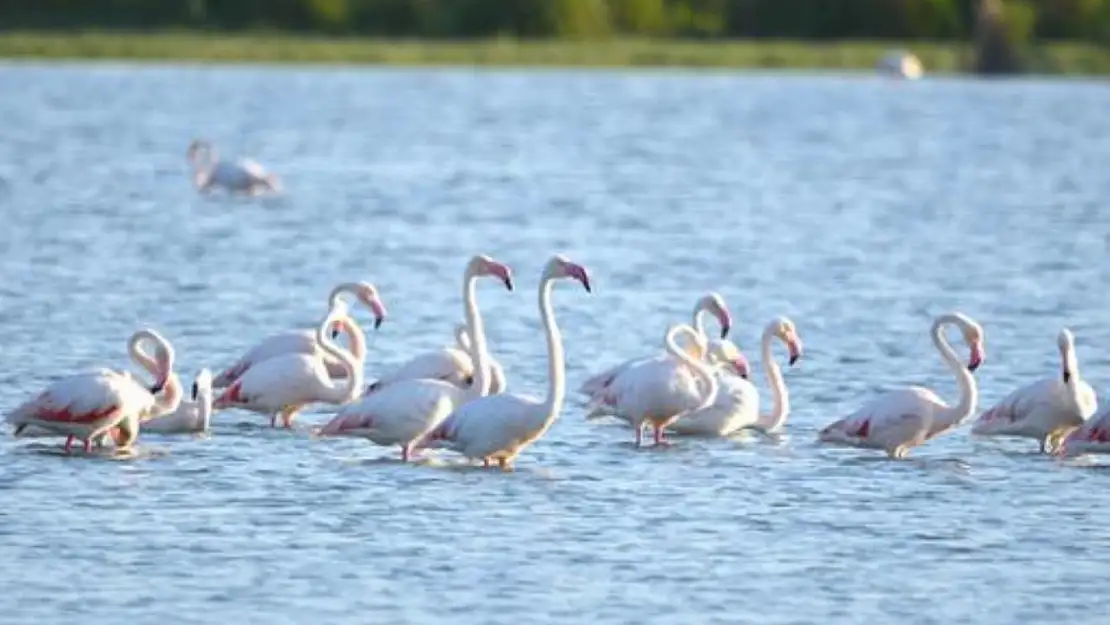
(202, 384)
(482, 265)
(163, 359)
(560, 267)
(724, 351)
(1066, 343)
(715, 304)
(368, 294)
(784, 329)
(199, 151)
(973, 337)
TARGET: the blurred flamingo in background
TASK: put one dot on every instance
(239, 176)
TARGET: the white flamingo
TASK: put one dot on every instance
(192, 416)
(239, 176)
(661, 390)
(737, 403)
(499, 427)
(304, 341)
(452, 364)
(93, 405)
(402, 412)
(281, 386)
(711, 303)
(901, 419)
(1046, 410)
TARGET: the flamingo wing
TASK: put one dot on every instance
(397, 414)
(494, 425)
(449, 364)
(86, 400)
(291, 342)
(276, 383)
(252, 169)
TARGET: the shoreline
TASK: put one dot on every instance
(948, 58)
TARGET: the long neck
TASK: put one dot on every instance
(556, 362)
(969, 390)
(699, 322)
(477, 331)
(1071, 365)
(781, 408)
(700, 369)
(350, 386)
(204, 407)
(168, 400)
(462, 338)
(143, 359)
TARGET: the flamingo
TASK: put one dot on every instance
(281, 386)
(239, 176)
(1046, 409)
(737, 403)
(191, 416)
(402, 412)
(103, 402)
(1093, 437)
(661, 390)
(452, 364)
(901, 419)
(304, 341)
(499, 427)
(710, 303)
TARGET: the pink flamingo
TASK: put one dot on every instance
(899, 420)
(92, 405)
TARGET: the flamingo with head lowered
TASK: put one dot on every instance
(711, 303)
(96, 404)
(497, 428)
(193, 415)
(661, 390)
(737, 404)
(304, 341)
(402, 412)
(898, 420)
(239, 176)
(1093, 437)
(284, 384)
(452, 364)
(1046, 410)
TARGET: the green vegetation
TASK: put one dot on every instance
(1052, 36)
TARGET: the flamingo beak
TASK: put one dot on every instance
(726, 323)
(196, 391)
(795, 350)
(584, 278)
(158, 386)
(1067, 376)
(741, 366)
(379, 313)
(508, 280)
(976, 358)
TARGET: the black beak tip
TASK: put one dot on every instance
(1067, 377)
(508, 283)
(793, 359)
(335, 334)
(972, 366)
(157, 388)
(378, 322)
(586, 283)
(196, 391)
(724, 331)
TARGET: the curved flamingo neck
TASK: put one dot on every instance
(969, 390)
(701, 370)
(477, 332)
(462, 339)
(556, 360)
(350, 386)
(781, 397)
(347, 287)
(168, 400)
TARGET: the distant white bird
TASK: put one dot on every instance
(192, 416)
(402, 412)
(239, 176)
(1046, 410)
(100, 403)
(901, 64)
(737, 404)
(497, 428)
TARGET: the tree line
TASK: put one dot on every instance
(796, 19)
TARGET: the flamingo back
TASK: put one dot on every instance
(276, 383)
(449, 364)
(397, 414)
(83, 402)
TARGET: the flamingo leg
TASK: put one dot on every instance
(273, 420)
(657, 433)
(69, 444)
(485, 462)
(88, 445)
(640, 435)
(405, 453)
(288, 415)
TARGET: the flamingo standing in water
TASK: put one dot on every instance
(402, 412)
(92, 405)
(1093, 437)
(304, 341)
(499, 427)
(711, 303)
(1047, 409)
(737, 404)
(452, 364)
(281, 386)
(899, 420)
(661, 390)
(191, 416)
(239, 176)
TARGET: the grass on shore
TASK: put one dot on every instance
(1055, 58)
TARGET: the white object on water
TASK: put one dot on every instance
(901, 64)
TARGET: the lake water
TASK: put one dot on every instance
(858, 207)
